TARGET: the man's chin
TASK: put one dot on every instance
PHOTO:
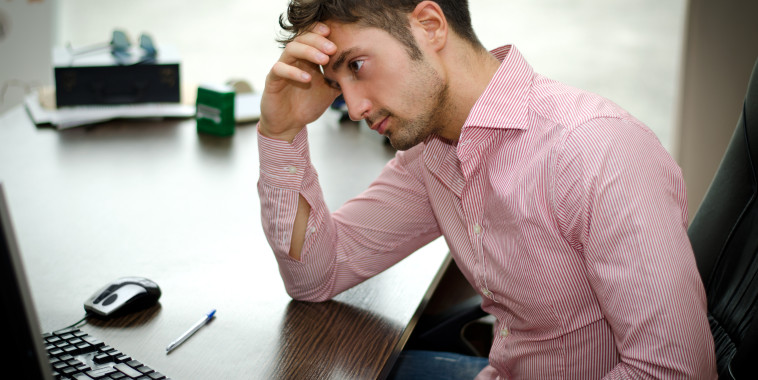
(400, 143)
(397, 145)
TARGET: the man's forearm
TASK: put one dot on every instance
(299, 227)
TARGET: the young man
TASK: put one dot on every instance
(560, 208)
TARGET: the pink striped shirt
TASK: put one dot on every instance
(560, 208)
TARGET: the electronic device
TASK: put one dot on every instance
(118, 74)
(122, 296)
(64, 354)
(18, 310)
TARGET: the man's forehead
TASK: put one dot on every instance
(349, 39)
(342, 33)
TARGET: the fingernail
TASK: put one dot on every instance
(305, 76)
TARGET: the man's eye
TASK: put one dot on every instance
(355, 66)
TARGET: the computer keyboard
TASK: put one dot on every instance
(76, 355)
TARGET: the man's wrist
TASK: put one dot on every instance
(288, 135)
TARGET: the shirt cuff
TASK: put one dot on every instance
(283, 165)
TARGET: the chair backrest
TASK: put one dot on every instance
(724, 236)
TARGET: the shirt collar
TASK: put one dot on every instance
(504, 103)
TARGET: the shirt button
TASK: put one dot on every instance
(486, 292)
(292, 169)
(504, 332)
(313, 229)
(477, 229)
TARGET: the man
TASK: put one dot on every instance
(560, 208)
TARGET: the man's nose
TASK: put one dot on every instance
(358, 106)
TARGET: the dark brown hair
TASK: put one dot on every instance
(388, 15)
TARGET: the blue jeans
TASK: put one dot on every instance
(419, 365)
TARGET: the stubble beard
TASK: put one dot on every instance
(408, 133)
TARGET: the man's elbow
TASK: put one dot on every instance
(308, 295)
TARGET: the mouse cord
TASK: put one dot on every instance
(77, 324)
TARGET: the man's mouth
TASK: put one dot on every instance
(381, 125)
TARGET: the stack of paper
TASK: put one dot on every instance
(247, 108)
(68, 117)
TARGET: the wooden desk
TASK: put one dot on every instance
(155, 199)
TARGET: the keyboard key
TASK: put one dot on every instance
(93, 341)
(68, 371)
(60, 365)
(69, 330)
(100, 372)
(102, 358)
(86, 348)
(133, 363)
(128, 371)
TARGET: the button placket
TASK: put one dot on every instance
(472, 202)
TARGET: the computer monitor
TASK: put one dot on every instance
(20, 326)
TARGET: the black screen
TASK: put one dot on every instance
(19, 329)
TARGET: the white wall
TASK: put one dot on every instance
(26, 40)
(721, 46)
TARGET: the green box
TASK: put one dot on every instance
(215, 110)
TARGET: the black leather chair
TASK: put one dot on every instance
(724, 236)
(456, 329)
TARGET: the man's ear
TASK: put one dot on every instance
(429, 19)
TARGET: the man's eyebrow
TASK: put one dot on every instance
(341, 58)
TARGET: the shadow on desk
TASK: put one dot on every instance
(128, 321)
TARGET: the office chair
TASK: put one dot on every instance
(724, 236)
(456, 329)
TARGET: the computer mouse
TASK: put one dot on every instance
(123, 296)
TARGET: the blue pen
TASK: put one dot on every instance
(191, 331)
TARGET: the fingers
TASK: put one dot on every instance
(320, 28)
(285, 71)
(306, 50)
